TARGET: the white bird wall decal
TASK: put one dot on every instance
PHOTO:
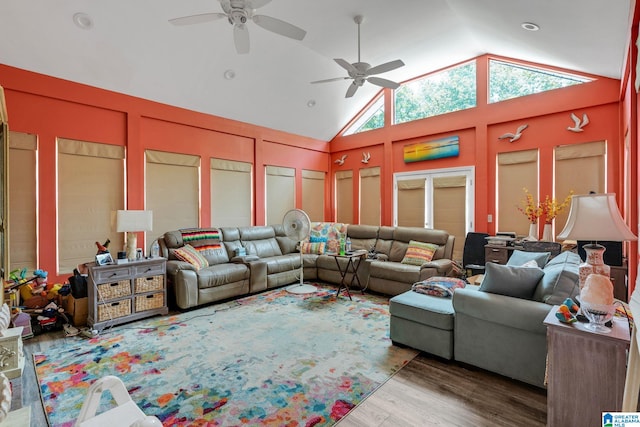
(365, 157)
(578, 124)
(341, 160)
(514, 136)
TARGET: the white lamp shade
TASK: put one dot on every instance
(595, 217)
(134, 221)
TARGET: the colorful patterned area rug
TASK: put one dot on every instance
(270, 359)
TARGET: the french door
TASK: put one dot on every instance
(439, 199)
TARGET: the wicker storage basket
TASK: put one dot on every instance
(118, 289)
(148, 284)
(149, 302)
(114, 310)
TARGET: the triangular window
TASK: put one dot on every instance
(371, 118)
(509, 80)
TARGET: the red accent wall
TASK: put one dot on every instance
(51, 107)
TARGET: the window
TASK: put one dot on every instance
(231, 181)
(508, 80)
(371, 118)
(450, 90)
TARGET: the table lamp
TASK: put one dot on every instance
(132, 222)
(595, 217)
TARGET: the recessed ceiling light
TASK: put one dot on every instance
(82, 20)
(229, 74)
(311, 103)
(530, 26)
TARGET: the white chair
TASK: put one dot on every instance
(632, 381)
(126, 413)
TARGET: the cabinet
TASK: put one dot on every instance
(498, 254)
(619, 279)
(586, 371)
(125, 292)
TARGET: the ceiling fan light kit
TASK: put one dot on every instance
(238, 14)
(361, 72)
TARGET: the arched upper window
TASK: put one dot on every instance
(509, 80)
(449, 90)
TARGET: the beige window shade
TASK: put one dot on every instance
(23, 244)
(516, 170)
(230, 193)
(90, 188)
(172, 192)
(449, 202)
(370, 200)
(344, 197)
(280, 197)
(581, 168)
(313, 194)
(411, 202)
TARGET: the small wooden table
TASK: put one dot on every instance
(352, 267)
(586, 371)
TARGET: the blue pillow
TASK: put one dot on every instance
(512, 281)
(518, 258)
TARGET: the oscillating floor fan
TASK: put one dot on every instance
(297, 226)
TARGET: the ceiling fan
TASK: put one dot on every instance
(362, 72)
(238, 13)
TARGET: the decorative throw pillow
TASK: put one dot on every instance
(438, 286)
(512, 281)
(313, 248)
(189, 254)
(520, 257)
(418, 253)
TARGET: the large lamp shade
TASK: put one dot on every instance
(132, 222)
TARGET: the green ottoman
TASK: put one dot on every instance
(423, 322)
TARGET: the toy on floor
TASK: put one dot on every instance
(126, 412)
(567, 311)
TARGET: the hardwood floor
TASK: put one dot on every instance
(428, 391)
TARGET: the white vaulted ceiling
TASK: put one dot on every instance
(131, 48)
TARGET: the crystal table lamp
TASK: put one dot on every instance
(595, 217)
(132, 222)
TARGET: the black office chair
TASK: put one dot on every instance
(473, 253)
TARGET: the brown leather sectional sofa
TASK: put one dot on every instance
(273, 260)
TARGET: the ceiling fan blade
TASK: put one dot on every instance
(256, 4)
(383, 82)
(279, 27)
(241, 38)
(353, 87)
(335, 79)
(197, 19)
(387, 66)
(346, 65)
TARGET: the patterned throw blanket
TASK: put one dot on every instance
(202, 238)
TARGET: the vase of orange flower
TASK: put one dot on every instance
(550, 208)
(532, 211)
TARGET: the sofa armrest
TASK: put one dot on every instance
(173, 266)
(516, 313)
(244, 259)
(381, 257)
(443, 266)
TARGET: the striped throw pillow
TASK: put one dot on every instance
(189, 254)
(418, 253)
(202, 238)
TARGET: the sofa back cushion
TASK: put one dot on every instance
(287, 246)
(560, 280)
(424, 235)
(260, 241)
(362, 236)
(385, 239)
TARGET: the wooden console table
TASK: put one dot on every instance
(585, 373)
(120, 293)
